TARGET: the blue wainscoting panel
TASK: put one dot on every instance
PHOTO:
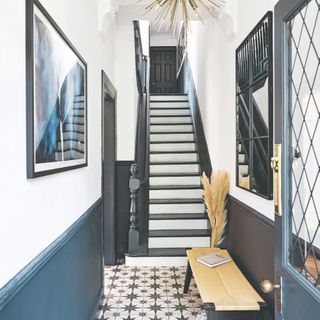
(65, 281)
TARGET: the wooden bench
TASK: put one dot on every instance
(224, 290)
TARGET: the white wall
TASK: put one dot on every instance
(126, 85)
(211, 51)
(33, 213)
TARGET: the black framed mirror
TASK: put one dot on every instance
(254, 110)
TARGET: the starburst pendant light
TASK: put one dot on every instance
(172, 10)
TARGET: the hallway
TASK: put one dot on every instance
(137, 145)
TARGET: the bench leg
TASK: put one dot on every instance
(188, 279)
(210, 312)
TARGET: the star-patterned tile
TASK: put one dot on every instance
(147, 293)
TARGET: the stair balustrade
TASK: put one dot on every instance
(139, 180)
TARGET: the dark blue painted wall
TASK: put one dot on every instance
(63, 282)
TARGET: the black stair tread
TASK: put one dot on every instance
(164, 142)
(171, 108)
(168, 101)
(175, 187)
(170, 115)
(173, 132)
(171, 123)
(175, 201)
(157, 94)
(172, 152)
(177, 216)
(180, 174)
(157, 163)
(167, 252)
(180, 233)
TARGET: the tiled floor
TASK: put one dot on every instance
(148, 294)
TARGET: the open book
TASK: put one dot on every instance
(213, 260)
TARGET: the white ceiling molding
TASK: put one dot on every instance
(231, 10)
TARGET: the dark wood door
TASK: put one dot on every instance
(297, 130)
(163, 70)
(108, 169)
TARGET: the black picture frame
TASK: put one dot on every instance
(56, 97)
(254, 69)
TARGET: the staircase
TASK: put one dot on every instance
(177, 218)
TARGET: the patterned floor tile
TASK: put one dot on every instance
(148, 294)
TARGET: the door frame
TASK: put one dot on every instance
(109, 202)
(296, 296)
(165, 48)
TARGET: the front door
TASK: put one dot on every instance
(163, 70)
(297, 129)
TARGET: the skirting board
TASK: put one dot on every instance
(65, 281)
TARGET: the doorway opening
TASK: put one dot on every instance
(109, 95)
(163, 70)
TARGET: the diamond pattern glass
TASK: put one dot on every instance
(304, 100)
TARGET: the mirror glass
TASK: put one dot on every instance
(254, 110)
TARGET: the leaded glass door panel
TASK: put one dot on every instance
(297, 129)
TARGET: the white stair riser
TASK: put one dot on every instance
(174, 157)
(175, 194)
(241, 158)
(175, 120)
(179, 242)
(173, 112)
(173, 147)
(173, 181)
(169, 98)
(156, 261)
(171, 137)
(171, 128)
(243, 169)
(174, 168)
(176, 208)
(178, 224)
(169, 105)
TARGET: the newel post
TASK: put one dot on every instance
(134, 185)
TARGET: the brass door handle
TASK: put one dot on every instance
(276, 167)
(153, 84)
(268, 286)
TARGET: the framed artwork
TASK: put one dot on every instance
(56, 88)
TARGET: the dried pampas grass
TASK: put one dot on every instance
(215, 192)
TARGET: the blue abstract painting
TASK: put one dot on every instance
(59, 99)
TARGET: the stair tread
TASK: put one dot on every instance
(177, 216)
(173, 132)
(189, 174)
(172, 152)
(167, 252)
(169, 108)
(180, 233)
(175, 200)
(173, 187)
(174, 162)
(170, 123)
(166, 142)
(170, 115)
